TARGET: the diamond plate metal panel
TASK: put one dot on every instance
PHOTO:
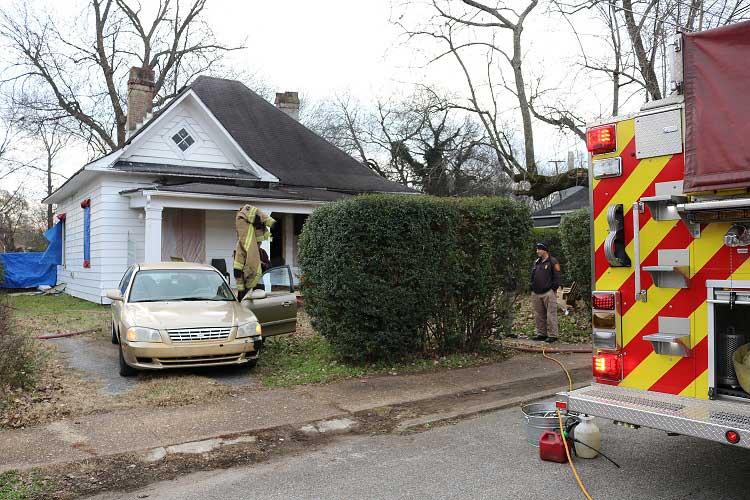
(658, 134)
(690, 417)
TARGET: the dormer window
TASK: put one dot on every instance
(183, 139)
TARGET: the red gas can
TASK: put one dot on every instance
(551, 447)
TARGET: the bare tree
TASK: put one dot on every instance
(421, 141)
(13, 210)
(54, 139)
(80, 74)
(639, 32)
(480, 26)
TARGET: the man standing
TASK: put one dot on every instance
(545, 280)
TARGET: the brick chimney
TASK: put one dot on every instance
(288, 102)
(140, 97)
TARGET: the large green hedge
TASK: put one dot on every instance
(575, 232)
(391, 275)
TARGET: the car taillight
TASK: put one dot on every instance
(604, 301)
(607, 366)
(601, 139)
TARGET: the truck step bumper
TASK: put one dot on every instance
(688, 416)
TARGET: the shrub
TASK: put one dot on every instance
(575, 231)
(386, 276)
(18, 357)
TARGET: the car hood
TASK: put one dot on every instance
(170, 315)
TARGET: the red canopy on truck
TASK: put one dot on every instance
(717, 108)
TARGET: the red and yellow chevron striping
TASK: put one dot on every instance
(709, 259)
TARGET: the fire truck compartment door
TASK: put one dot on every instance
(658, 134)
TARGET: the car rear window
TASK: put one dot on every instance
(161, 285)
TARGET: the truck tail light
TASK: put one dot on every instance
(607, 367)
(601, 139)
(604, 301)
(733, 437)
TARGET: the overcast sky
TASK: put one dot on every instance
(328, 47)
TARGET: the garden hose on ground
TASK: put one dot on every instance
(570, 459)
(562, 430)
(570, 379)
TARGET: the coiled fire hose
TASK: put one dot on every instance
(562, 430)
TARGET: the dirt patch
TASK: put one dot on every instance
(131, 471)
(64, 392)
(574, 328)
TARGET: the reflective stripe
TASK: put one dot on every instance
(250, 229)
(238, 265)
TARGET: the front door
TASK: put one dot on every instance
(277, 311)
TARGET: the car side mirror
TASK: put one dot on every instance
(114, 294)
(257, 294)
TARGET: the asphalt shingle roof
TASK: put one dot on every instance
(578, 199)
(281, 145)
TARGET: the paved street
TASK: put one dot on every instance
(486, 457)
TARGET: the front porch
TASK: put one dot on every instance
(200, 227)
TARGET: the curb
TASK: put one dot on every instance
(473, 410)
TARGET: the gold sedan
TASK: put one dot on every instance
(174, 314)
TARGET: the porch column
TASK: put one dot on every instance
(288, 228)
(152, 235)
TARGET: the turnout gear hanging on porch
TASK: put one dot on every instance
(253, 226)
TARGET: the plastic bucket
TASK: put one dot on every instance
(540, 417)
(740, 368)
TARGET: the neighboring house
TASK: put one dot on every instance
(572, 199)
(173, 190)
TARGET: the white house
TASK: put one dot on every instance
(173, 189)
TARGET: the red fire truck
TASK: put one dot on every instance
(670, 198)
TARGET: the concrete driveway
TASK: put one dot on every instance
(96, 359)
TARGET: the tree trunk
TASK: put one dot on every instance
(646, 66)
(523, 101)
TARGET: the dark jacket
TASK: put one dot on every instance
(545, 275)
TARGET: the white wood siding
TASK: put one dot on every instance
(80, 282)
(114, 229)
(157, 146)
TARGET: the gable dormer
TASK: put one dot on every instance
(186, 134)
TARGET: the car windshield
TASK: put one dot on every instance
(161, 285)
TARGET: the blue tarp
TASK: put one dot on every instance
(31, 269)
(53, 254)
(23, 270)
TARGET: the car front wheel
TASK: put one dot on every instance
(114, 334)
(125, 369)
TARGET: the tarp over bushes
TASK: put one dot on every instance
(31, 269)
(389, 275)
(24, 270)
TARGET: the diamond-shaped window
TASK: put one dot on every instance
(183, 139)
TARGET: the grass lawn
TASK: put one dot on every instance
(309, 359)
(15, 487)
(40, 314)
(302, 358)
